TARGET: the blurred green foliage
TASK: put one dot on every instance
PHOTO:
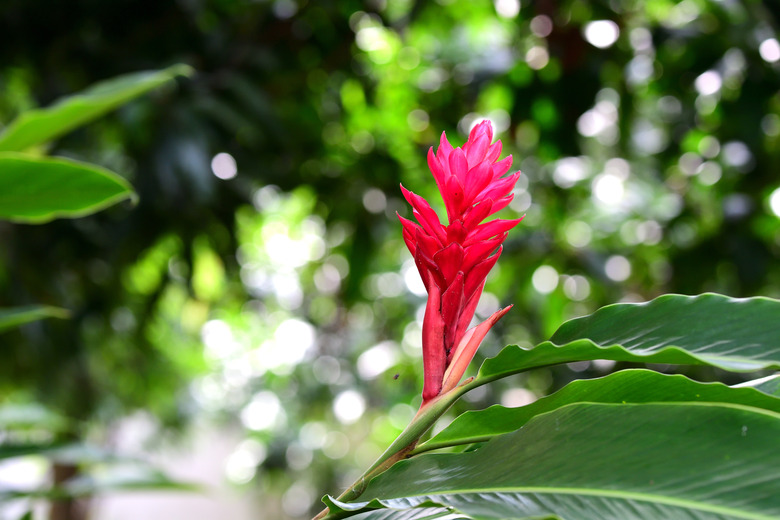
(282, 298)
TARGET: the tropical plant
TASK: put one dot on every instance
(35, 189)
(635, 444)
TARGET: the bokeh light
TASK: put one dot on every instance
(602, 33)
(224, 166)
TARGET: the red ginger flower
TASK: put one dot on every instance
(454, 260)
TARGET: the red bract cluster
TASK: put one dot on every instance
(455, 259)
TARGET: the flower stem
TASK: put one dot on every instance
(429, 412)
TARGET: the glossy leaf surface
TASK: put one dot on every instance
(37, 190)
(15, 316)
(605, 461)
(628, 386)
(39, 126)
(710, 329)
(768, 385)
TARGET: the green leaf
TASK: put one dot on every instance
(710, 324)
(36, 190)
(31, 416)
(15, 316)
(592, 461)
(112, 478)
(627, 386)
(66, 453)
(377, 511)
(39, 126)
(709, 329)
(768, 385)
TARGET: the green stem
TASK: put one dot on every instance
(430, 446)
(405, 443)
(469, 384)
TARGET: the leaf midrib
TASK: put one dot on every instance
(626, 495)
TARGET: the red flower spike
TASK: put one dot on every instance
(493, 152)
(490, 229)
(434, 357)
(466, 349)
(501, 203)
(478, 213)
(454, 260)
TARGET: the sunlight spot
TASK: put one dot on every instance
(570, 170)
(708, 83)
(499, 118)
(218, 340)
(541, 25)
(241, 465)
(294, 338)
(371, 38)
(617, 268)
(377, 359)
(602, 33)
(641, 39)
(387, 285)
(262, 412)
(374, 200)
(298, 457)
(362, 142)
(349, 406)
(736, 153)
(576, 287)
(488, 304)
(545, 279)
(287, 290)
(578, 233)
(313, 435)
(537, 57)
(412, 278)
(327, 278)
(431, 80)
(709, 173)
(774, 202)
(507, 8)
(639, 70)
(770, 50)
(285, 9)
(224, 166)
(400, 415)
(418, 120)
(515, 397)
(336, 445)
(608, 188)
(23, 473)
(327, 370)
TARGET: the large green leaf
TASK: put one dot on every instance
(38, 189)
(768, 385)
(11, 317)
(42, 125)
(709, 329)
(594, 461)
(627, 386)
(376, 510)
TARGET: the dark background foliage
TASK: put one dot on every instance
(273, 300)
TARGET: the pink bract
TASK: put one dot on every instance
(455, 259)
